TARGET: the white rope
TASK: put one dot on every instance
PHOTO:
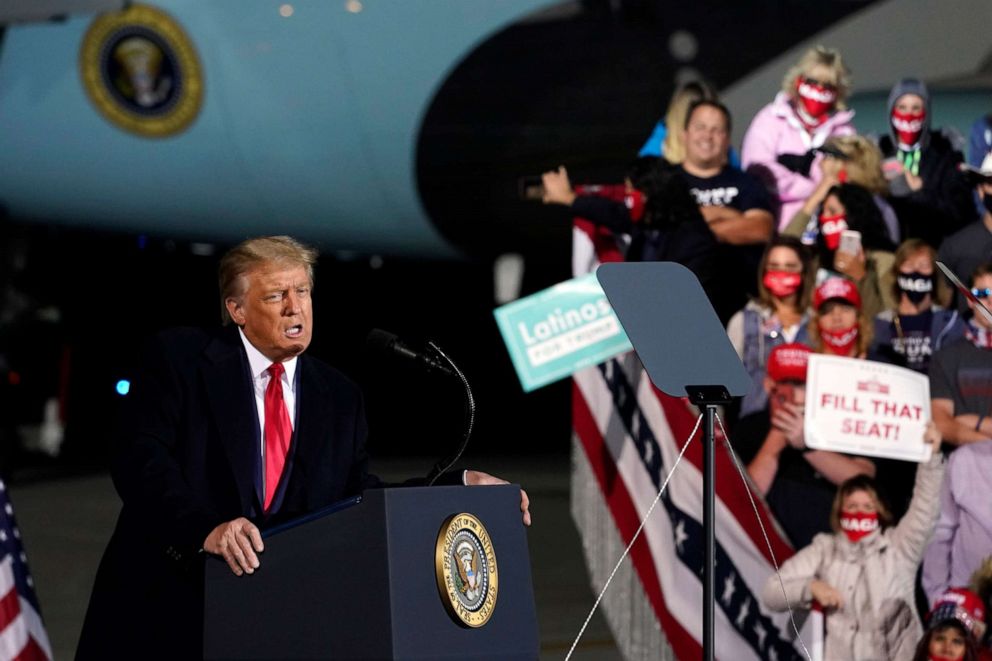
(747, 488)
(633, 539)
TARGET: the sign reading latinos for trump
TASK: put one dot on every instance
(867, 408)
(564, 328)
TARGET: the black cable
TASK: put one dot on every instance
(441, 467)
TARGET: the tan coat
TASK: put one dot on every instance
(876, 578)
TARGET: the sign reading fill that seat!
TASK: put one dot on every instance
(558, 331)
(867, 408)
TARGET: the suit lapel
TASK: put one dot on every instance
(314, 415)
(232, 405)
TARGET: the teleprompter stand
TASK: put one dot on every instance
(681, 342)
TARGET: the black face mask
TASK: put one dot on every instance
(987, 201)
(915, 285)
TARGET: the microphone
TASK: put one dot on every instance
(385, 343)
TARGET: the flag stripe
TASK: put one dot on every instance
(10, 608)
(22, 633)
(675, 539)
(627, 521)
(33, 652)
(729, 488)
(631, 434)
(36, 629)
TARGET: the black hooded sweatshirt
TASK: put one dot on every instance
(944, 204)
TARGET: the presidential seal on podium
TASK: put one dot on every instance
(465, 567)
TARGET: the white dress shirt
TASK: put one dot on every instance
(259, 366)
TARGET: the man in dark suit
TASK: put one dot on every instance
(226, 431)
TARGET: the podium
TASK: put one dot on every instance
(361, 583)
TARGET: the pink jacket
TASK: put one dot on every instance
(777, 130)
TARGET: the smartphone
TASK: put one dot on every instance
(850, 242)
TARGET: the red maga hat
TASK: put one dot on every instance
(837, 287)
(962, 605)
(787, 362)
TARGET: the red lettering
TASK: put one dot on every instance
(886, 430)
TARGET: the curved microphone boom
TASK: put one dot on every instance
(384, 342)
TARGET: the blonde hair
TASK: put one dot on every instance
(829, 58)
(673, 149)
(247, 255)
(864, 164)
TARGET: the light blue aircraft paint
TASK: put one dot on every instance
(308, 125)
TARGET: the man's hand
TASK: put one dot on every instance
(826, 594)
(557, 187)
(478, 478)
(238, 542)
(789, 419)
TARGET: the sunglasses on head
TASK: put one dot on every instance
(982, 293)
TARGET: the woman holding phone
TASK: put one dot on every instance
(852, 240)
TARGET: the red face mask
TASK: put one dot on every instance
(816, 99)
(908, 126)
(856, 526)
(831, 227)
(839, 342)
(782, 283)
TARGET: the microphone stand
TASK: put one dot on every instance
(441, 467)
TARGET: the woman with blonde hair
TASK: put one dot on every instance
(809, 109)
(848, 159)
(670, 145)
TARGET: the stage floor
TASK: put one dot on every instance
(66, 522)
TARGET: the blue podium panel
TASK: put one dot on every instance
(360, 583)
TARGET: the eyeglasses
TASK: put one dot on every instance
(982, 293)
(819, 83)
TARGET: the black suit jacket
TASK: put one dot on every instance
(185, 463)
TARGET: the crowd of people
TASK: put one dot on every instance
(816, 239)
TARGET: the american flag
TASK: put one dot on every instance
(626, 437)
(22, 632)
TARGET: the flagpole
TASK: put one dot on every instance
(709, 506)
(707, 398)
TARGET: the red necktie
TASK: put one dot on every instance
(278, 431)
